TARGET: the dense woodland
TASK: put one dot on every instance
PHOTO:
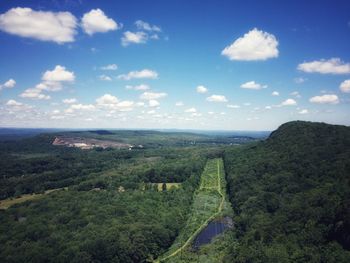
(110, 209)
(290, 194)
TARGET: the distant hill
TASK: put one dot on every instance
(291, 195)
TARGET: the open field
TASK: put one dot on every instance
(168, 186)
(209, 202)
(6, 203)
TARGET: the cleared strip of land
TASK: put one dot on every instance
(6, 203)
(208, 203)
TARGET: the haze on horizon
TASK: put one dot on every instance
(207, 65)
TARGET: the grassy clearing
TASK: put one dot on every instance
(168, 186)
(6, 203)
(209, 202)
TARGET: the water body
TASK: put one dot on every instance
(214, 228)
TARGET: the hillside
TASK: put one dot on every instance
(291, 195)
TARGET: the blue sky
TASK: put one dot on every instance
(227, 65)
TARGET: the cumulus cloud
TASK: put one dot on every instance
(289, 102)
(153, 103)
(191, 110)
(152, 95)
(201, 89)
(13, 103)
(111, 102)
(110, 67)
(96, 21)
(253, 85)
(345, 86)
(217, 98)
(105, 77)
(34, 93)
(133, 38)
(330, 66)
(179, 104)
(254, 45)
(303, 111)
(107, 99)
(141, 25)
(325, 99)
(275, 93)
(142, 74)
(231, 106)
(69, 101)
(58, 27)
(295, 94)
(299, 80)
(8, 84)
(58, 74)
(80, 107)
(52, 80)
(138, 87)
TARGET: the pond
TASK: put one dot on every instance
(214, 228)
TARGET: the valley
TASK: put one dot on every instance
(284, 198)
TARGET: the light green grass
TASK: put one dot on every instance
(168, 186)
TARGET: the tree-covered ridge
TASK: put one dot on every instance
(291, 195)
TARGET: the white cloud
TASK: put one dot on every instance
(13, 103)
(191, 110)
(142, 74)
(253, 85)
(110, 67)
(134, 38)
(304, 111)
(179, 104)
(138, 87)
(275, 93)
(51, 81)
(295, 94)
(55, 117)
(58, 27)
(141, 25)
(289, 102)
(217, 98)
(152, 95)
(254, 45)
(34, 93)
(325, 99)
(125, 105)
(96, 21)
(105, 78)
(154, 36)
(201, 89)
(233, 106)
(8, 84)
(345, 86)
(107, 99)
(268, 107)
(330, 66)
(69, 101)
(80, 107)
(299, 80)
(153, 103)
(112, 102)
(59, 74)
